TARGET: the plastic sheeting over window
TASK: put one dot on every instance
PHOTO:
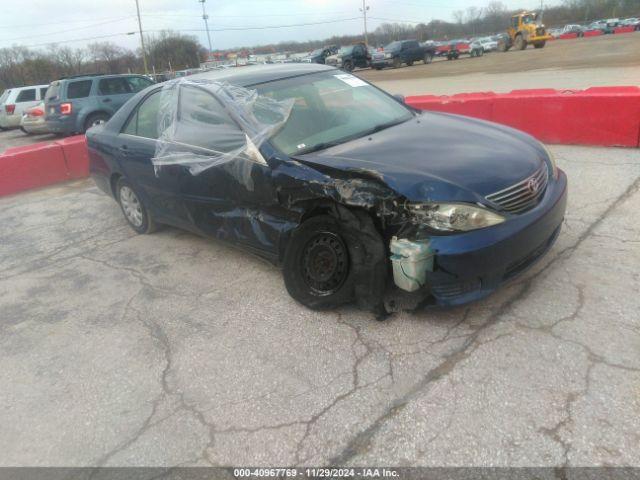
(204, 123)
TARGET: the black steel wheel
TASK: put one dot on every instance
(317, 269)
(325, 263)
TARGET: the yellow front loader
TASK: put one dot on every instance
(525, 29)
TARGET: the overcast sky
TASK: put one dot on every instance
(37, 22)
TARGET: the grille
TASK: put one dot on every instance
(523, 195)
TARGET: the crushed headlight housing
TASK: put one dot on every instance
(387, 55)
(453, 217)
(552, 163)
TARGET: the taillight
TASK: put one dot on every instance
(36, 112)
(65, 108)
(10, 109)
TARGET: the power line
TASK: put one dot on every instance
(266, 27)
(65, 31)
(86, 39)
(66, 22)
(307, 14)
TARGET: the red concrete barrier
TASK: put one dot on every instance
(602, 116)
(593, 33)
(23, 168)
(624, 29)
(568, 36)
(478, 105)
(76, 156)
(42, 164)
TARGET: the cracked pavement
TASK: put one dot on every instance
(169, 349)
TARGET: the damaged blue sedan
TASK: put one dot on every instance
(358, 197)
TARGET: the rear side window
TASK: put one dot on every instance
(144, 122)
(28, 95)
(113, 86)
(43, 92)
(137, 84)
(79, 89)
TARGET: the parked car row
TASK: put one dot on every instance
(607, 26)
(69, 105)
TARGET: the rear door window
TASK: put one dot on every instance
(137, 84)
(144, 122)
(203, 122)
(80, 89)
(28, 95)
(114, 86)
(43, 92)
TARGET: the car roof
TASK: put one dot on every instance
(255, 74)
(99, 76)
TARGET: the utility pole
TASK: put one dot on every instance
(205, 17)
(364, 9)
(144, 52)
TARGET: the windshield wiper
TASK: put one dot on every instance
(318, 146)
(371, 131)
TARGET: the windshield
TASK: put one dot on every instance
(346, 50)
(317, 52)
(393, 46)
(528, 19)
(331, 108)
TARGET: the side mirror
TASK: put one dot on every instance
(399, 97)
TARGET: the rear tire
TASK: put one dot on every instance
(397, 63)
(428, 58)
(409, 63)
(348, 66)
(317, 270)
(135, 212)
(95, 119)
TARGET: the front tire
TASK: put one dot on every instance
(348, 66)
(397, 63)
(317, 270)
(520, 43)
(428, 58)
(539, 45)
(134, 211)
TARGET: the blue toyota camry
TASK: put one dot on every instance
(358, 197)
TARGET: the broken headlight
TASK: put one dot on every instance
(453, 217)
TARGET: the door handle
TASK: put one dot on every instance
(124, 150)
(106, 100)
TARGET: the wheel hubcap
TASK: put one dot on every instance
(131, 206)
(325, 263)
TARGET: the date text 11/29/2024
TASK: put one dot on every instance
(316, 473)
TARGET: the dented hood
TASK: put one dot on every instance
(438, 157)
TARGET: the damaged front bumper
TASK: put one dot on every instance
(469, 266)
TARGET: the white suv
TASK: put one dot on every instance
(15, 101)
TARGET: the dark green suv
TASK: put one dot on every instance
(75, 104)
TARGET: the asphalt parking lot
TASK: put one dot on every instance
(169, 349)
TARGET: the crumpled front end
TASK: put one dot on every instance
(453, 269)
